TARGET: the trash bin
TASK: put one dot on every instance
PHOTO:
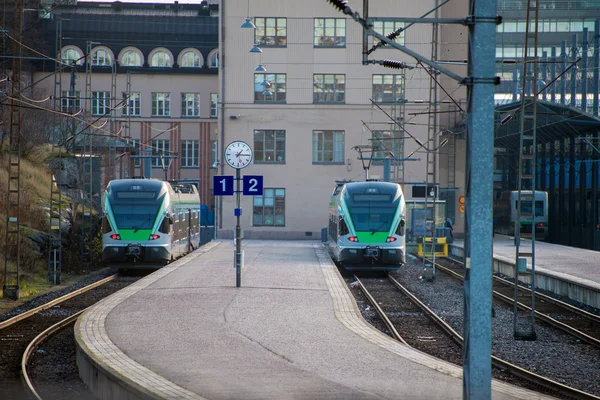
(324, 235)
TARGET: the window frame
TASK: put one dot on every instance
(274, 86)
(106, 106)
(387, 27)
(213, 59)
(168, 59)
(196, 57)
(185, 105)
(214, 105)
(319, 151)
(386, 137)
(261, 151)
(334, 92)
(107, 58)
(136, 99)
(159, 147)
(185, 156)
(166, 104)
(277, 193)
(396, 88)
(262, 25)
(66, 99)
(138, 57)
(321, 40)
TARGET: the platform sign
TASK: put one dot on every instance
(223, 185)
(252, 185)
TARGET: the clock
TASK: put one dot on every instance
(238, 154)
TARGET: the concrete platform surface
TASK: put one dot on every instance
(291, 331)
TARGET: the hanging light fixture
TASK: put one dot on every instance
(260, 68)
(255, 49)
(248, 24)
(267, 92)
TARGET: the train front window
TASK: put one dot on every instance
(526, 207)
(135, 216)
(372, 219)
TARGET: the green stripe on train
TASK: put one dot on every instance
(141, 235)
(368, 237)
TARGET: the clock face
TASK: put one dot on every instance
(238, 154)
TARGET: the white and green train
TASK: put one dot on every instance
(148, 223)
(367, 226)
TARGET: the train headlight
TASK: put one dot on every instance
(353, 239)
(115, 236)
(154, 236)
(391, 239)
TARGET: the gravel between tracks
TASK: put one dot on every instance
(554, 354)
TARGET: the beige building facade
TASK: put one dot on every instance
(316, 108)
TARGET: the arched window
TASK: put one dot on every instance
(131, 58)
(101, 57)
(160, 59)
(190, 59)
(213, 60)
(70, 54)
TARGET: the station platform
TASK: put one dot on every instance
(291, 331)
(566, 271)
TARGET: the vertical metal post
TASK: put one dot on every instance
(573, 70)
(238, 233)
(544, 73)
(563, 78)
(596, 67)
(478, 184)
(553, 74)
(584, 72)
(515, 78)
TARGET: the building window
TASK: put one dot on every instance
(160, 59)
(160, 149)
(269, 146)
(190, 104)
(385, 141)
(189, 153)
(191, 59)
(330, 32)
(70, 103)
(131, 59)
(135, 145)
(161, 104)
(387, 88)
(100, 103)
(214, 105)
(132, 105)
(387, 27)
(72, 55)
(328, 146)
(270, 31)
(270, 87)
(329, 88)
(269, 209)
(213, 60)
(101, 58)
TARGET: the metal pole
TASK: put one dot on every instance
(596, 67)
(553, 74)
(238, 233)
(563, 77)
(477, 368)
(584, 71)
(573, 71)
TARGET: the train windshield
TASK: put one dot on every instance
(526, 207)
(135, 216)
(372, 219)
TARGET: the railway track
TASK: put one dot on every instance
(413, 325)
(572, 320)
(21, 335)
